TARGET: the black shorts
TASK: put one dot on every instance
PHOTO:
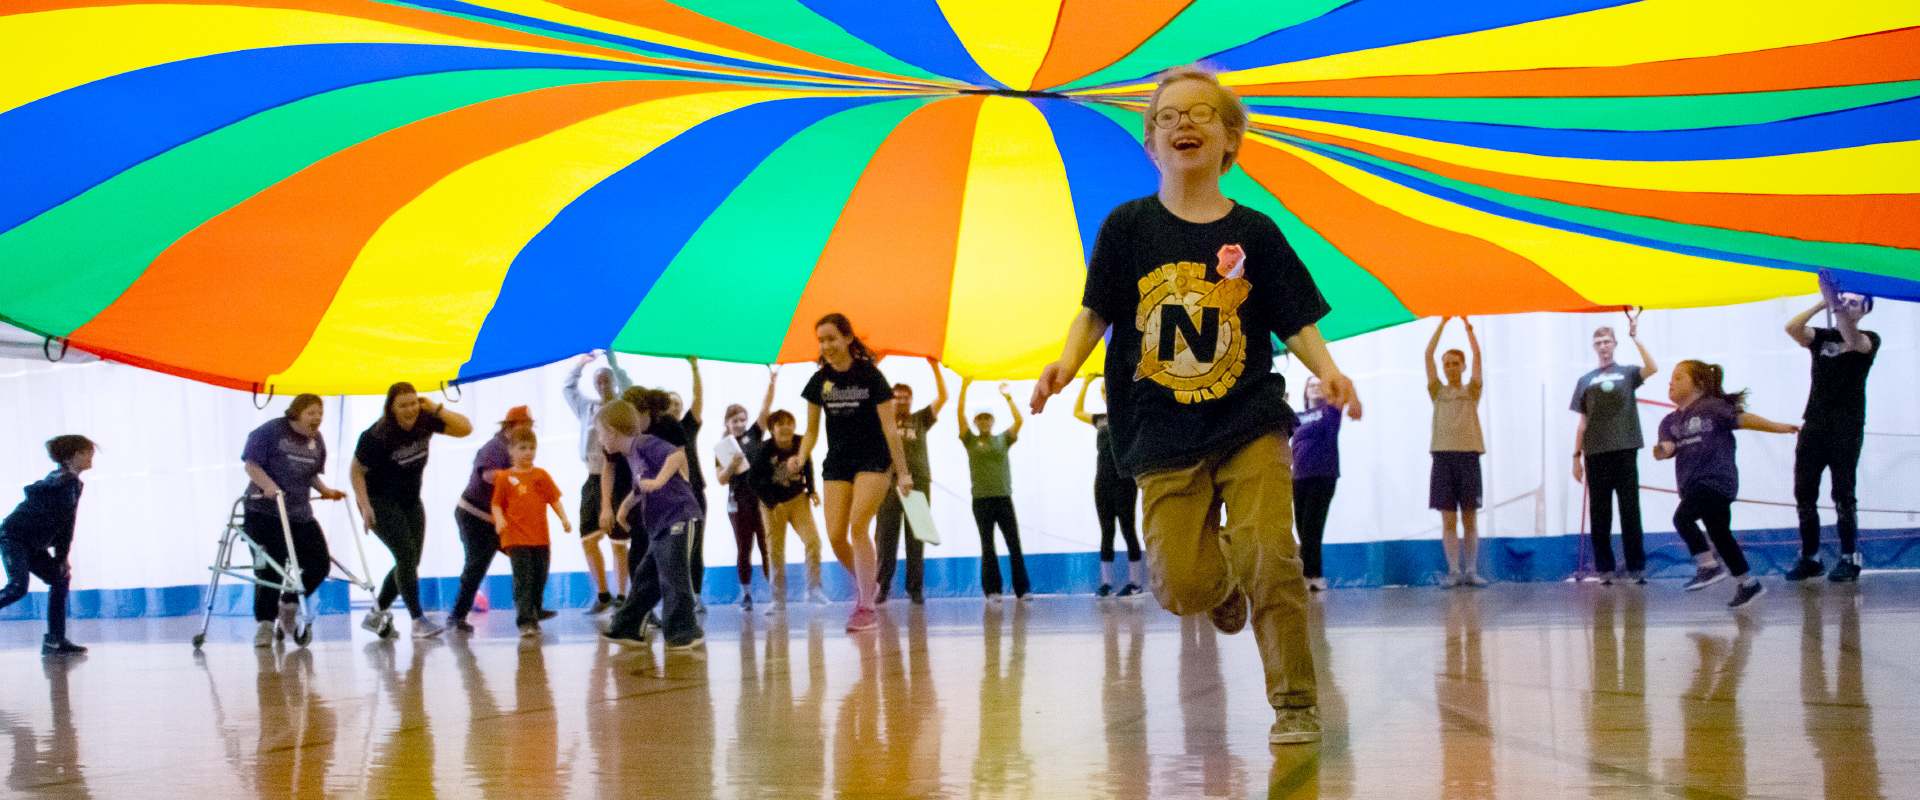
(590, 506)
(845, 468)
(1456, 481)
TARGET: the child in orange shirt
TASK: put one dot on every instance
(521, 496)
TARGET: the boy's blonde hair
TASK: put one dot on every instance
(1233, 112)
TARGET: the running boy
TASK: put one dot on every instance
(35, 538)
(1199, 286)
(522, 494)
(1699, 436)
(670, 519)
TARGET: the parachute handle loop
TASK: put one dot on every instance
(450, 391)
(258, 403)
(46, 349)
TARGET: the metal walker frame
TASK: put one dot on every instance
(223, 564)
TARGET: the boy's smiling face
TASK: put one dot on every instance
(1188, 146)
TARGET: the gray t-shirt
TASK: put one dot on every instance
(1613, 417)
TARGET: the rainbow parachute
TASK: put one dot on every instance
(331, 195)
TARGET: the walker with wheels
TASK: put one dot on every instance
(223, 564)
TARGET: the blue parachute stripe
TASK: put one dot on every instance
(62, 145)
(574, 286)
(1458, 197)
(914, 31)
(1368, 24)
(1895, 121)
(1105, 165)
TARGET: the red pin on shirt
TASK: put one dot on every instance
(1232, 261)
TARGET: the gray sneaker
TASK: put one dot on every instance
(263, 635)
(289, 618)
(1295, 726)
(1746, 593)
(1705, 577)
(426, 628)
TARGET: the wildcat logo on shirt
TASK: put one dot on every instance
(1833, 349)
(1191, 339)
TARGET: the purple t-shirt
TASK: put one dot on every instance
(1702, 437)
(293, 462)
(491, 458)
(1316, 443)
(671, 503)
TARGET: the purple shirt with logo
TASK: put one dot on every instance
(673, 502)
(1703, 445)
(293, 462)
(1316, 443)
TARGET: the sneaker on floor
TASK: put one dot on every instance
(547, 614)
(1105, 590)
(1606, 579)
(1637, 577)
(263, 635)
(1131, 590)
(1847, 570)
(1474, 580)
(1295, 726)
(993, 597)
(1231, 615)
(1316, 584)
(460, 624)
(746, 601)
(59, 646)
(636, 641)
(289, 619)
(529, 630)
(1746, 593)
(917, 600)
(650, 622)
(863, 619)
(425, 628)
(619, 600)
(1705, 577)
(601, 605)
(880, 598)
(700, 607)
(1807, 568)
(691, 644)
(1451, 581)
(816, 597)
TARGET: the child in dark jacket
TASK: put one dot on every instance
(35, 538)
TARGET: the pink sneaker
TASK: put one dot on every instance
(863, 619)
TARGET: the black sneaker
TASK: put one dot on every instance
(1231, 615)
(59, 646)
(1105, 590)
(1806, 568)
(461, 624)
(1746, 593)
(1705, 577)
(1847, 571)
(547, 615)
(1131, 590)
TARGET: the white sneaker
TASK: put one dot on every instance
(378, 623)
(263, 636)
(1316, 584)
(816, 597)
(426, 628)
(289, 618)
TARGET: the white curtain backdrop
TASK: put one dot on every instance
(169, 470)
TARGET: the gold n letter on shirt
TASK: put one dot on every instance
(1191, 338)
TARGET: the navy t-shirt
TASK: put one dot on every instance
(672, 502)
(1316, 443)
(293, 462)
(1837, 402)
(1198, 346)
(1703, 445)
(851, 402)
(395, 457)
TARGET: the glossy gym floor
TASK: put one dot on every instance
(1514, 691)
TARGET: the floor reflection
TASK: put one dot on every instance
(53, 764)
(1002, 767)
(402, 764)
(297, 727)
(1616, 708)
(780, 743)
(1210, 766)
(1713, 745)
(1838, 719)
(1461, 694)
(1123, 701)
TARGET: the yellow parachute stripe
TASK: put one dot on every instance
(49, 52)
(449, 249)
(1890, 168)
(1007, 38)
(1019, 267)
(1636, 33)
(1604, 271)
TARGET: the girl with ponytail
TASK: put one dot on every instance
(1699, 436)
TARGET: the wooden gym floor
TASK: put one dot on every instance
(1515, 691)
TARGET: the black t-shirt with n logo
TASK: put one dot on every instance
(1197, 346)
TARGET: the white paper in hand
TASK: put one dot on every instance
(920, 517)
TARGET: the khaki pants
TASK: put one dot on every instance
(1193, 562)
(797, 513)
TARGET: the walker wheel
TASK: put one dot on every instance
(199, 639)
(304, 635)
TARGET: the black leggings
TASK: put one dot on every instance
(749, 529)
(310, 556)
(1610, 474)
(888, 526)
(1816, 452)
(1311, 499)
(482, 541)
(530, 566)
(988, 512)
(1716, 513)
(401, 524)
(22, 561)
(1113, 502)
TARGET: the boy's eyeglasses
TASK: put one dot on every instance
(1200, 113)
